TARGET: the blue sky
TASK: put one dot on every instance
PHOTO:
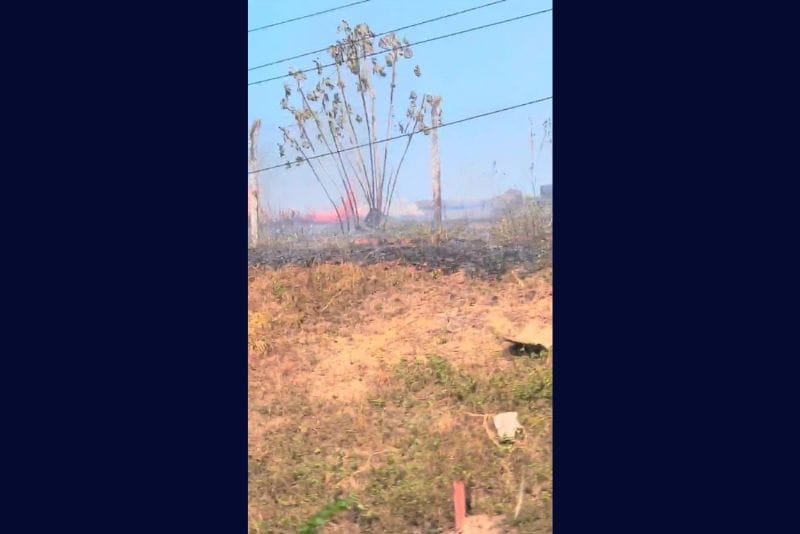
(474, 73)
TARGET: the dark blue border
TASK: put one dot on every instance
(130, 382)
(125, 372)
(672, 372)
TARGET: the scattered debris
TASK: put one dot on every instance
(525, 349)
(507, 426)
(535, 339)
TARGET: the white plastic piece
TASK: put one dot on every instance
(507, 425)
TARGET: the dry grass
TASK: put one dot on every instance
(527, 224)
(365, 383)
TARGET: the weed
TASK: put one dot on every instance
(278, 289)
(526, 224)
(322, 517)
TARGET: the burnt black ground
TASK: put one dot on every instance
(476, 257)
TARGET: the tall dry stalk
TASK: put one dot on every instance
(548, 136)
(547, 126)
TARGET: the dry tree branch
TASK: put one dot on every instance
(341, 171)
(341, 85)
(414, 131)
(296, 145)
(348, 183)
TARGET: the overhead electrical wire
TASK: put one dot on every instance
(388, 139)
(412, 44)
(380, 34)
(305, 16)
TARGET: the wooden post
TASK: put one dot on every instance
(436, 167)
(252, 165)
(533, 179)
(460, 503)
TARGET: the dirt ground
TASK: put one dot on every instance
(378, 382)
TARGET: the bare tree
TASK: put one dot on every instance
(326, 122)
(252, 203)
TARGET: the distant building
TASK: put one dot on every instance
(546, 191)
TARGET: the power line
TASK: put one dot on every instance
(412, 44)
(380, 34)
(305, 16)
(406, 135)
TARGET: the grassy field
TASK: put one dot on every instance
(372, 389)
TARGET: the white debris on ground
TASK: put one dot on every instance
(507, 426)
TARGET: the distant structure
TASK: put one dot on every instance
(546, 191)
(475, 209)
(511, 199)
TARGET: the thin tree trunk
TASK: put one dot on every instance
(299, 148)
(363, 183)
(379, 174)
(393, 181)
(363, 85)
(371, 180)
(388, 126)
(351, 196)
(342, 171)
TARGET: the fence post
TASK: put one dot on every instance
(436, 167)
(252, 165)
